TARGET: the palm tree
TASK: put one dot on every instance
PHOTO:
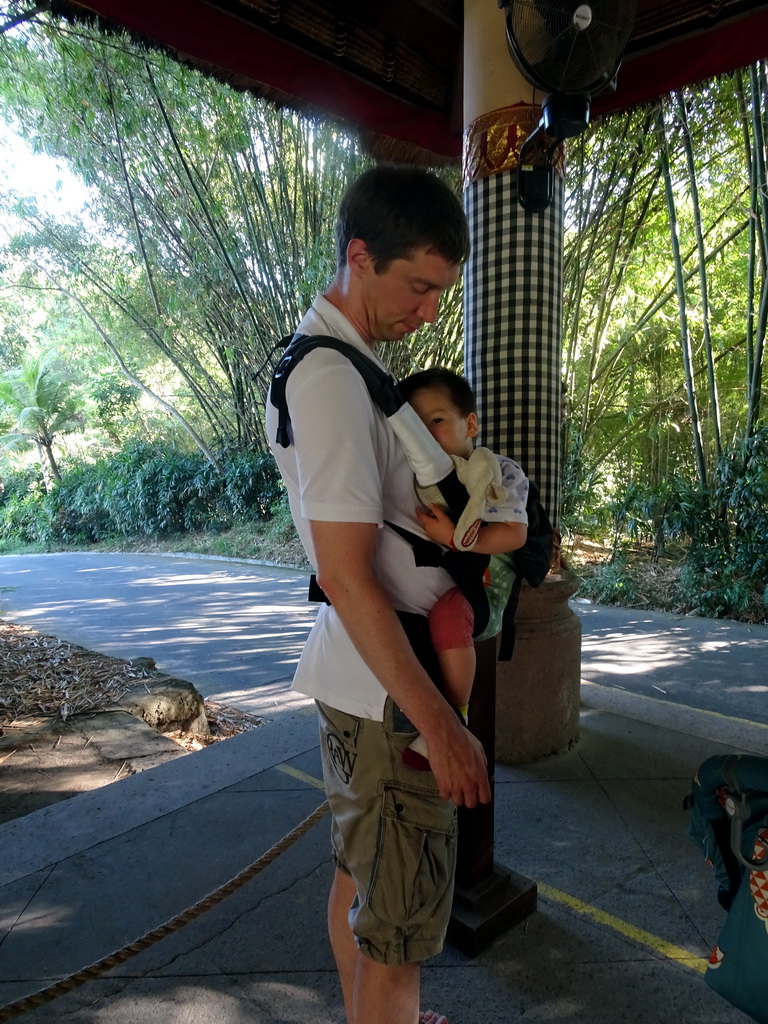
(36, 406)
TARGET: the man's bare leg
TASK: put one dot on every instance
(373, 993)
(345, 951)
(386, 994)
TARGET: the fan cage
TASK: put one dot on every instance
(556, 55)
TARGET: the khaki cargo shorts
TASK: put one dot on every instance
(391, 832)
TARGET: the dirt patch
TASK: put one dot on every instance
(45, 760)
(63, 730)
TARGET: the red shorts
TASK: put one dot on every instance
(451, 622)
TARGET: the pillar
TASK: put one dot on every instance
(513, 331)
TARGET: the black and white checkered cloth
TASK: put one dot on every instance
(513, 325)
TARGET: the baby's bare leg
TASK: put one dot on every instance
(457, 666)
(458, 669)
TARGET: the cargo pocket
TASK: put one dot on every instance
(338, 734)
(412, 878)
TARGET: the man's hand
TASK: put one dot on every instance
(459, 763)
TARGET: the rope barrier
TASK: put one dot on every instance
(59, 988)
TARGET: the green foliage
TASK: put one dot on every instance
(665, 321)
(115, 401)
(199, 249)
(610, 583)
(252, 485)
(147, 489)
(26, 517)
(39, 402)
(715, 585)
(661, 317)
(726, 571)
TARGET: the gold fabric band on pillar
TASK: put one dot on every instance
(492, 141)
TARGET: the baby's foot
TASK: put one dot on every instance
(416, 756)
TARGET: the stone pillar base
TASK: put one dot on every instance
(537, 692)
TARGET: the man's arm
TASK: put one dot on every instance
(345, 555)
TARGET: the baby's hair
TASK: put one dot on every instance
(457, 388)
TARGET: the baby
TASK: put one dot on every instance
(445, 403)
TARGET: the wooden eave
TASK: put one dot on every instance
(392, 68)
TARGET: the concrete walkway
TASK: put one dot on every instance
(627, 908)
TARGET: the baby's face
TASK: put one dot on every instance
(452, 431)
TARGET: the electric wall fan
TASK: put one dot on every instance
(571, 51)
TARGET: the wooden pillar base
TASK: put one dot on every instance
(483, 913)
(488, 898)
(538, 692)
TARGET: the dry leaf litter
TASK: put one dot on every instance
(44, 676)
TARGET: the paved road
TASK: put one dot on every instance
(232, 628)
(714, 664)
(236, 629)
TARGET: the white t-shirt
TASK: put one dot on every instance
(346, 465)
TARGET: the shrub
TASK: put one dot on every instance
(252, 484)
(147, 489)
(726, 569)
(80, 515)
(26, 517)
(610, 583)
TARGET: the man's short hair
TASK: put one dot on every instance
(457, 388)
(395, 210)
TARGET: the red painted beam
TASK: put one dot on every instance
(686, 61)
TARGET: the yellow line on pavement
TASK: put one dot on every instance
(629, 931)
(296, 773)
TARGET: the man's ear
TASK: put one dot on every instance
(472, 425)
(358, 257)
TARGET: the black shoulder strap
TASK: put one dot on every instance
(466, 568)
(382, 387)
(508, 625)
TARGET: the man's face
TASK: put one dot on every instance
(452, 431)
(405, 296)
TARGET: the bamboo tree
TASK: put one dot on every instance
(761, 188)
(221, 248)
(754, 217)
(19, 18)
(143, 387)
(693, 186)
(685, 340)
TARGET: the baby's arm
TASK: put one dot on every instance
(496, 538)
(493, 539)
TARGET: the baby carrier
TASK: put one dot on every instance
(728, 819)
(491, 584)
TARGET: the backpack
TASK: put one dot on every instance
(491, 584)
(728, 820)
(506, 573)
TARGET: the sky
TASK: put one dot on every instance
(35, 174)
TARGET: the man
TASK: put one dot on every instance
(401, 237)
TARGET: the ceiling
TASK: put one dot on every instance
(393, 67)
